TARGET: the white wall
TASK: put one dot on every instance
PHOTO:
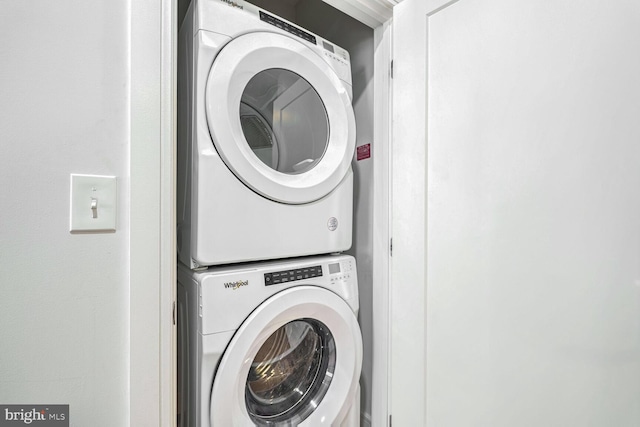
(64, 298)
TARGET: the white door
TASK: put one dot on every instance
(516, 213)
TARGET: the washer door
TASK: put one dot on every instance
(280, 117)
(298, 347)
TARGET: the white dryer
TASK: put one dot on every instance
(266, 136)
(270, 344)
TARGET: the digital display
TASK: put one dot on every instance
(334, 268)
(328, 46)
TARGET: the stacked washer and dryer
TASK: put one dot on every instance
(267, 306)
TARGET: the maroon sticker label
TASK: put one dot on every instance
(363, 152)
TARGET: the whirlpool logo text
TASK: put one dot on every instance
(236, 285)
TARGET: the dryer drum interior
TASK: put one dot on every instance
(284, 121)
(291, 373)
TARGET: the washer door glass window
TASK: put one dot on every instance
(291, 373)
(295, 360)
(284, 121)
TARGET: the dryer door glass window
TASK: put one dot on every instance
(291, 373)
(284, 121)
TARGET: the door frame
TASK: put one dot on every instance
(152, 269)
(382, 210)
(409, 218)
(153, 64)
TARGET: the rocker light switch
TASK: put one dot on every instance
(93, 203)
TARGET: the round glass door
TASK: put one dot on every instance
(284, 121)
(280, 118)
(295, 360)
(290, 374)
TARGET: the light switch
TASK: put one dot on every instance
(93, 203)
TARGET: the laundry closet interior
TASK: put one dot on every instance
(344, 31)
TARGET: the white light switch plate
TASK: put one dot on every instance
(93, 203)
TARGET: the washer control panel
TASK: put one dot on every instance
(340, 271)
(286, 276)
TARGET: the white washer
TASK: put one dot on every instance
(266, 136)
(270, 344)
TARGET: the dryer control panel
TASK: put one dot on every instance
(277, 22)
(337, 57)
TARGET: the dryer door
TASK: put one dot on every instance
(298, 347)
(280, 117)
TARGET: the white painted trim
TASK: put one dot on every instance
(373, 13)
(409, 211)
(168, 274)
(408, 272)
(152, 245)
(381, 225)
